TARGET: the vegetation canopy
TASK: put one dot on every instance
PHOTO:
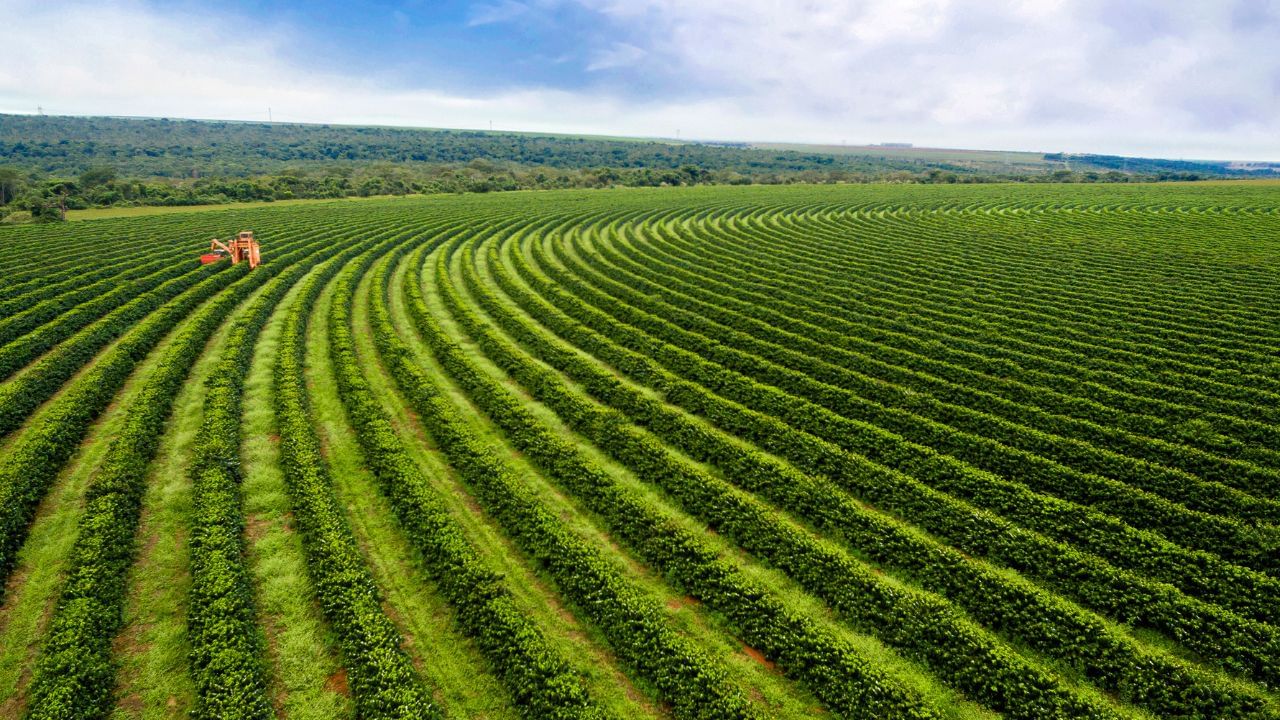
(856, 451)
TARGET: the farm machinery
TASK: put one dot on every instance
(241, 247)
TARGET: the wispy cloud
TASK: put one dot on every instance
(618, 55)
(500, 12)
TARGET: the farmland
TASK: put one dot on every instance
(735, 452)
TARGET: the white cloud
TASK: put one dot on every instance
(1105, 75)
(1168, 78)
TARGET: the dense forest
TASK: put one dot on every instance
(153, 148)
(51, 164)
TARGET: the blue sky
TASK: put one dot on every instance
(458, 45)
(1170, 78)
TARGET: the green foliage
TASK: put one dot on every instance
(11, 184)
(756, 382)
(383, 681)
(1033, 616)
(176, 148)
(97, 175)
(226, 644)
(540, 681)
(971, 661)
(1021, 437)
(34, 459)
(633, 624)
(1236, 643)
(75, 674)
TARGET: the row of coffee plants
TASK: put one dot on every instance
(30, 313)
(1221, 638)
(1022, 349)
(1082, 349)
(906, 622)
(541, 682)
(99, 251)
(1124, 595)
(964, 399)
(21, 395)
(35, 457)
(74, 676)
(708, 331)
(1030, 371)
(1197, 573)
(23, 350)
(633, 624)
(1160, 683)
(227, 648)
(383, 681)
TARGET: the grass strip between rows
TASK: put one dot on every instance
(383, 681)
(924, 628)
(1031, 614)
(75, 675)
(541, 682)
(694, 685)
(227, 646)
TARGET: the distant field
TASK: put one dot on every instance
(886, 451)
(924, 153)
(976, 160)
(123, 212)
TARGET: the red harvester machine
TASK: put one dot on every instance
(241, 247)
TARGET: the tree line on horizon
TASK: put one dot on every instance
(51, 164)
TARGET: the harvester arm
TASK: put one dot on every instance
(215, 243)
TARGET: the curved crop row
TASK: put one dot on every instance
(226, 645)
(540, 681)
(29, 314)
(34, 459)
(21, 395)
(1222, 638)
(1157, 682)
(1076, 350)
(1082, 306)
(875, 451)
(383, 681)
(1084, 446)
(74, 675)
(966, 658)
(829, 386)
(633, 624)
(1197, 573)
(938, 330)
